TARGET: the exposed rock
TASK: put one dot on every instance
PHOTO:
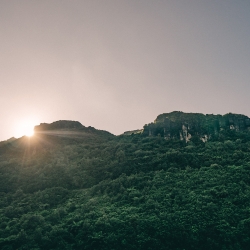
(185, 125)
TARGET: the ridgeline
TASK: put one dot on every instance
(180, 182)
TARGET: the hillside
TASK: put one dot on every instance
(182, 182)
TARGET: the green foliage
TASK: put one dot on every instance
(99, 191)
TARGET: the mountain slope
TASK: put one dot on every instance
(139, 191)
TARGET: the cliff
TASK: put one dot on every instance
(185, 125)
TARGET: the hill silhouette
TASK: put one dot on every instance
(181, 182)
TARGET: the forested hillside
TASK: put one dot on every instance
(72, 187)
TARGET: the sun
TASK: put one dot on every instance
(25, 128)
(29, 131)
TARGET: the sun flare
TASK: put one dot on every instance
(25, 128)
(29, 132)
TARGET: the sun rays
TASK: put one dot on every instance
(25, 128)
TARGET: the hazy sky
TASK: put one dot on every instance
(115, 65)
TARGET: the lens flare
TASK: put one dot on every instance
(25, 128)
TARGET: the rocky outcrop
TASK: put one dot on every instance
(186, 125)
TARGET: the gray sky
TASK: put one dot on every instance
(115, 65)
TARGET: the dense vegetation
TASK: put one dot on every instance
(98, 191)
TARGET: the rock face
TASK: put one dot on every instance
(185, 125)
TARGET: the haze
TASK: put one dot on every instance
(115, 65)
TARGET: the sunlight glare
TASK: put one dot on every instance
(25, 128)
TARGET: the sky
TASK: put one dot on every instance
(115, 65)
